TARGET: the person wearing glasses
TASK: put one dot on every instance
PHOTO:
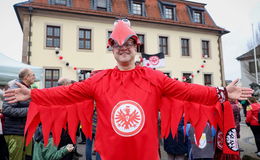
(15, 118)
(128, 99)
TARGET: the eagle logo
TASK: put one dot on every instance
(127, 118)
(231, 140)
(154, 60)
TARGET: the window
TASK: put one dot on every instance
(53, 36)
(252, 67)
(84, 74)
(137, 8)
(140, 48)
(60, 2)
(102, 5)
(168, 13)
(84, 39)
(167, 10)
(51, 77)
(108, 35)
(197, 17)
(187, 76)
(205, 49)
(185, 47)
(197, 14)
(207, 79)
(163, 45)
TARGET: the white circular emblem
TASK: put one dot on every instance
(231, 139)
(203, 141)
(154, 60)
(127, 118)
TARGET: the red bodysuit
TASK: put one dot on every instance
(127, 105)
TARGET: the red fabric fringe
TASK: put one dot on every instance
(54, 118)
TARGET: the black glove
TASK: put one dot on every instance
(248, 124)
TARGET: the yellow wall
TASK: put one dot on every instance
(100, 58)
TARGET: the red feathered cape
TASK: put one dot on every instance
(127, 105)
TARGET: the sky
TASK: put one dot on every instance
(236, 16)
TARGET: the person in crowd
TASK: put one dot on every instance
(15, 118)
(244, 104)
(237, 117)
(177, 147)
(89, 141)
(252, 120)
(127, 99)
(83, 137)
(4, 155)
(50, 151)
(65, 138)
(205, 150)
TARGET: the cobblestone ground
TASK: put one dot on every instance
(246, 142)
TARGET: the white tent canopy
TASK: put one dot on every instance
(10, 68)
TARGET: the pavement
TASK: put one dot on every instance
(246, 142)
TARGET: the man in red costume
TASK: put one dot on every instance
(127, 99)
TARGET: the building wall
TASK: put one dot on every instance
(100, 58)
(246, 77)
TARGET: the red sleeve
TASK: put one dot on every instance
(189, 92)
(63, 95)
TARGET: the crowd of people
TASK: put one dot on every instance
(127, 100)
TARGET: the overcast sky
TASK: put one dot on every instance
(237, 16)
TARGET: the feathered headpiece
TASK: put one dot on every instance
(121, 33)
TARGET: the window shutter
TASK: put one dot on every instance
(202, 18)
(131, 6)
(190, 13)
(164, 7)
(109, 6)
(143, 9)
(174, 14)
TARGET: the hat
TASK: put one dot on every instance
(121, 33)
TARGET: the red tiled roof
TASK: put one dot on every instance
(120, 9)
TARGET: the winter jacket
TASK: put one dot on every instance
(15, 116)
(49, 152)
(252, 114)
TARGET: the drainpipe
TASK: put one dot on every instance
(30, 34)
(221, 62)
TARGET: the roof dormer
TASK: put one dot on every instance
(197, 14)
(168, 10)
(136, 7)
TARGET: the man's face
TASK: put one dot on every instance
(30, 78)
(126, 53)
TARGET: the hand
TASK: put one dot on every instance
(17, 94)
(248, 124)
(235, 92)
(70, 147)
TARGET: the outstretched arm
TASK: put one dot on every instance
(204, 94)
(234, 92)
(61, 95)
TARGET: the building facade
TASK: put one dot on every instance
(248, 69)
(68, 38)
